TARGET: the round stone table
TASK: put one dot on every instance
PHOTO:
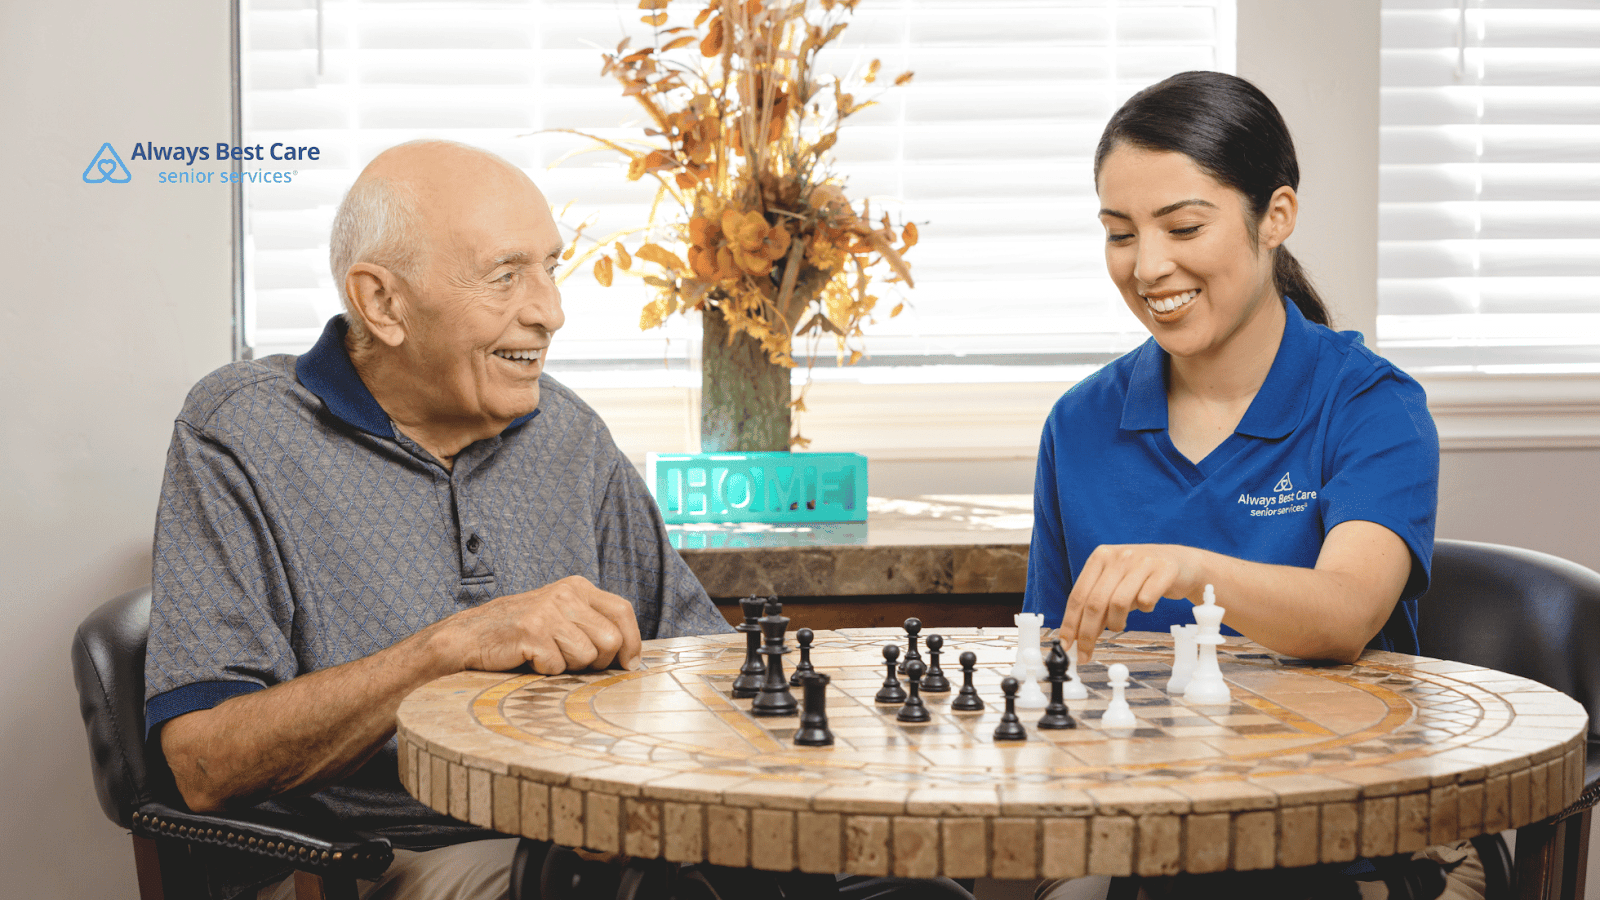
(1309, 764)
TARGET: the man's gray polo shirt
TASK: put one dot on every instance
(298, 529)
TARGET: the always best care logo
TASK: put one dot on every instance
(1283, 499)
(108, 167)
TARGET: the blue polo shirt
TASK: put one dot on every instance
(1336, 433)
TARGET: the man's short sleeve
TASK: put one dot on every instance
(221, 608)
(637, 558)
(1383, 466)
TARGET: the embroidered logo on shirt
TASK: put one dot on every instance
(1283, 499)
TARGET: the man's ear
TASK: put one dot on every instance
(1278, 223)
(376, 296)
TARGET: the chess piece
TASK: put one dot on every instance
(914, 710)
(1184, 651)
(1118, 714)
(1056, 715)
(935, 682)
(1073, 689)
(1010, 727)
(774, 699)
(913, 626)
(891, 692)
(802, 668)
(751, 674)
(814, 720)
(1206, 687)
(967, 699)
(1029, 665)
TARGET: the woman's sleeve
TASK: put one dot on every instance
(1383, 467)
(1049, 574)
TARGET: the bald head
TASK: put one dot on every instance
(386, 218)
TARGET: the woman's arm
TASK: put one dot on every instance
(1327, 612)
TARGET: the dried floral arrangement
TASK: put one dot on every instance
(749, 225)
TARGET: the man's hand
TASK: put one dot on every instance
(1119, 578)
(564, 626)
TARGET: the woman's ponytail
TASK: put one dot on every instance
(1293, 282)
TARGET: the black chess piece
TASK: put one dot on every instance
(935, 682)
(1010, 727)
(967, 699)
(814, 720)
(914, 710)
(751, 674)
(774, 699)
(802, 668)
(1056, 714)
(891, 692)
(913, 626)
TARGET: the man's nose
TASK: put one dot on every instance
(541, 305)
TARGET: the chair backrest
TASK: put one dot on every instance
(1518, 611)
(108, 667)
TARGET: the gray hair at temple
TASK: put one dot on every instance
(376, 223)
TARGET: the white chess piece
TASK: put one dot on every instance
(1206, 687)
(1118, 714)
(1028, 667)
(1073, 689)
(1184, 651)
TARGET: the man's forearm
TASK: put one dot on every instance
(299, 735)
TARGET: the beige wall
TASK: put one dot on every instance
(116, 299)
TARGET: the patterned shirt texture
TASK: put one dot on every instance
(298, 529)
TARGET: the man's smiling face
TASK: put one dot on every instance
(481, 319)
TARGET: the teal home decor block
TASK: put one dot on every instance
(759, 487)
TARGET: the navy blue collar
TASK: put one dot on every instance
(326, 371)
(1277, 407)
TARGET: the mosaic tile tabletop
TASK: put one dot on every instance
(1309, 764)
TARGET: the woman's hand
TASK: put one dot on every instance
(1119, 578)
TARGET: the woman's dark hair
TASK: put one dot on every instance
(1234, 134)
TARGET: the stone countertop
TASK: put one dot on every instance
(932, 544)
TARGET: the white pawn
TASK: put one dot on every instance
(1073, 689)
(1118, 714)
(1184, 650)
(1206, 687)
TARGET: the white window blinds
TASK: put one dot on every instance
(988, 150)
(1489, 256)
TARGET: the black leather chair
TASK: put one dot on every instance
(178, 854)
(1537, 616)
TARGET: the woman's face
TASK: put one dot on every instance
(1180, 249)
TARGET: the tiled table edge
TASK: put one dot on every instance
(1337, 823)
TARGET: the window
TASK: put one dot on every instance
(1489, 253)
(988, 150)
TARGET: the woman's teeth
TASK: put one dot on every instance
(1168, 304)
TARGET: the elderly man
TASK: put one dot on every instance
(410, 498)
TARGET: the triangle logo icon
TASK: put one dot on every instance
(1284, 484)
(107, 166)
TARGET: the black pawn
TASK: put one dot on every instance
(814, 721)
(1056, 714)
(967, 699)
(751, 674)
(1010, 727)
(802, 668)
(774, 699)
(935, 682)
(914, 710)
(913, 627)
(891, 692)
